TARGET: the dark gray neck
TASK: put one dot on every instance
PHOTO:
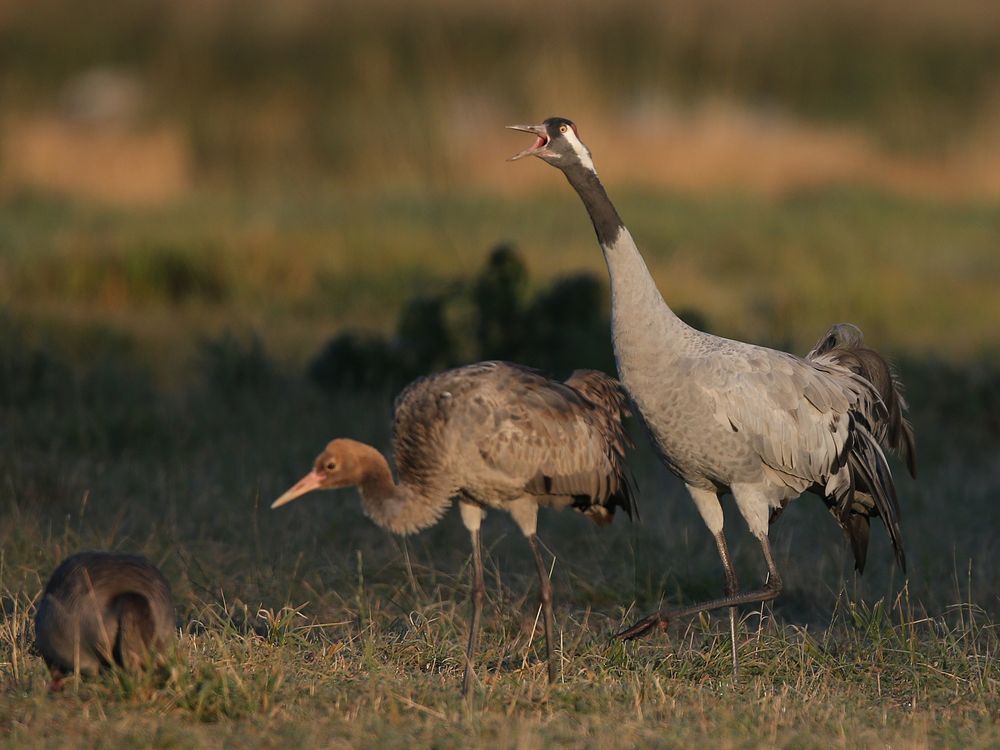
(607, 222)
(644, 329)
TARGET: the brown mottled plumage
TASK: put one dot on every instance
(496, 435)
(101, 609)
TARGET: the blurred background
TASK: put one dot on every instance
(231, 230)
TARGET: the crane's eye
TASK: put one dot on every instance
(563, 128)
(330, 465)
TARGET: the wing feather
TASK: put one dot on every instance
(817, 424)
(794, 413)
(563, 439)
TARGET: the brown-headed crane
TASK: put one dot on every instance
(496, 436)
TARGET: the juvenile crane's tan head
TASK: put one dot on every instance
(343, 463)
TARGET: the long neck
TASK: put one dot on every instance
(400, 508)
(637, 308)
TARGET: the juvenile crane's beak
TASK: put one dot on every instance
(308, 483)
(538, 148)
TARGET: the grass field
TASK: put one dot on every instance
(131, 421)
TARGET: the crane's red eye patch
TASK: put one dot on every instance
(575, 131)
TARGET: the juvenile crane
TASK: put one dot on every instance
(495, 435)
(101, 609)
(726, 416)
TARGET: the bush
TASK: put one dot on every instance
(562, 328)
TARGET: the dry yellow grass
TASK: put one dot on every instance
(105, 164)
(716, 147)
(765, 97)
(723, 146)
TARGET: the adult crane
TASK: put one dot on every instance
(497, 436)
(731, 417)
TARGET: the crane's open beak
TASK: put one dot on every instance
(539, 146)
(308, 483)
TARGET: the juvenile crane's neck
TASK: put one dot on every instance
(400, 508)
(638, 310)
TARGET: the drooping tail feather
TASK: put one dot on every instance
(608, 395)
(880, 424)
(844, 345)
(600, 389)
(873, 494)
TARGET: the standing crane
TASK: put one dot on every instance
(101, 609)
(730, 417)
(496, 435)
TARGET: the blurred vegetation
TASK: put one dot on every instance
(562, 328)
(309, 87)
(918, 277)
(342, 170)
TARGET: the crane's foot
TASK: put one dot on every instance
(655, 621)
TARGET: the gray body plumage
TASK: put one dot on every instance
(727, 416)
(100, 609)
(495, 433)
(766, 425)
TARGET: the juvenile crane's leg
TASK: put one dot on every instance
(524, 511)
(472, 517)
(545, 595)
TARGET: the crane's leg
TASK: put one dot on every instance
(754, 509)
(472, 517)
(660, 619)
(524, 511)
(732, 586)
(545, 596)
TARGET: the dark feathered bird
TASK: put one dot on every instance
(496, 435)
(101, 609)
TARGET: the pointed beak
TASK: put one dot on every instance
(539, 145)
(308, 483)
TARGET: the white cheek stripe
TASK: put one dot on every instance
(581, 151)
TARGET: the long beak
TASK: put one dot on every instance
(538, 146)
(308, 483)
